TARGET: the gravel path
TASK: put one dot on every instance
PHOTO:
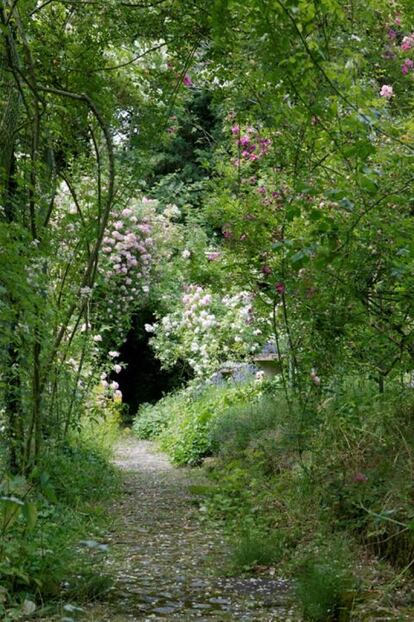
(167, 563)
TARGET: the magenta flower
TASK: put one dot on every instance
(280, 287)
(187, 81)
(407, 66)
(392, 35)
(235, 129)
(244, 140)
(265, 269)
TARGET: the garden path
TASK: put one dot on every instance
(167, 562)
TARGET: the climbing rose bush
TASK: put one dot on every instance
(206, 330)
(140, 237)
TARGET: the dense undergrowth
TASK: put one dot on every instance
(52, 523)
(317, 488)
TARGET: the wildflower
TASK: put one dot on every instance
(265, 269)
(213, 255)
(407, 43)
(227, 231)
(187, 81)
(97, 338)
(387, 91)
(149, 328)
(235, 129)
(186, 254)
(113, 354)
(407, 66)
(280, 287)
(117, 368)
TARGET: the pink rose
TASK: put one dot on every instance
(387, 91)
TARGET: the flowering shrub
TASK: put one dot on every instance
(251, 145)
(136, 255)
(207, 329)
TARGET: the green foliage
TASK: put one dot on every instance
(241, 425)
(305, 495)
(284, 132)
(256, 548)
(182, 421)
(325, 586)
(152, 419)
(52, 526)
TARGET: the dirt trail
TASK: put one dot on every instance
(166, 562)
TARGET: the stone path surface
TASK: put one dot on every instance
(167, 564)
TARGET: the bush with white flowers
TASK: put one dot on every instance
(206, 330)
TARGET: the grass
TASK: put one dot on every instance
(254, 548)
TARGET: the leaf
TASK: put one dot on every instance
(30, 514)
(368, 184)
(347, 204)
(11, 509)
(47, 488)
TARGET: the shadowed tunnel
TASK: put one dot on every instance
(143, 380)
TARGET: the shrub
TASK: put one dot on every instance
(153, 418)
(339, 467)
(52, 540)
(182, 421)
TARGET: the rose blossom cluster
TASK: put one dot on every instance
(407, 44)
(206, 330)
(250, 144)
(112, 387)
(126, 261)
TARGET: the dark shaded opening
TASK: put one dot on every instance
(142, 380)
